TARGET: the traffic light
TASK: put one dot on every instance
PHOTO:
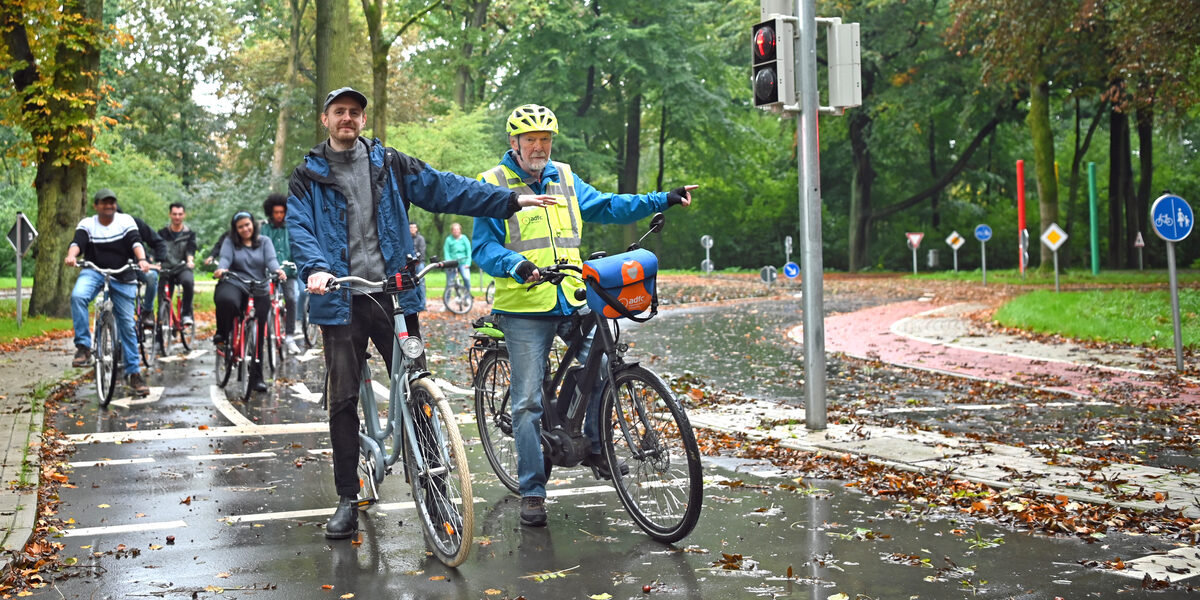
(774, 63)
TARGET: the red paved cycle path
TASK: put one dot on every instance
(866, 334)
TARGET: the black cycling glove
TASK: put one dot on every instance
(676, 196)
(525, 270)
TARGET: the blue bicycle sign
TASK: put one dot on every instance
(1172, 217)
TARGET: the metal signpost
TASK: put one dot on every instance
(914, 241)
(1139, 243)
(1172, 219)
(706, 242)
(787, 249)
(1053, 238)
(983, 233)
(955, 241)
(1024, 251)
(768, 275)
(21, 236)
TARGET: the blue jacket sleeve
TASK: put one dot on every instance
(306, 251)
(488, 251)
(616, 208)
(444, 192)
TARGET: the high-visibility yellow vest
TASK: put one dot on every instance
(543, 235)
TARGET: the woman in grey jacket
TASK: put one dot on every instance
(250, 257)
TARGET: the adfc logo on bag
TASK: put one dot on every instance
(635, 297)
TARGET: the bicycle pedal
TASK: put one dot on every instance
(365, 502)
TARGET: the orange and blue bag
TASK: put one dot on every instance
(623, 285)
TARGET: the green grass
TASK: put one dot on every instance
(1073, 277)
(1120, 316)
(30, 326)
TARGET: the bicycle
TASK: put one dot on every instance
(146, 330)
(311, 331)
(645, 430)
(416, 428)
(489, 295)
(457, 296)
(170, 318)
(105, 342)
(274, 336)
(241, 346)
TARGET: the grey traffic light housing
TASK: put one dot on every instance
(773, 45)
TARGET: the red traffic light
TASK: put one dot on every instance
(764, 43)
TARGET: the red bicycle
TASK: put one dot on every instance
(170, 323)
(241, 348)
(273, 342)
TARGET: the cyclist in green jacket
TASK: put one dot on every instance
(458, 247)
(275, 227)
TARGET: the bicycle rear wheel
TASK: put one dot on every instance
(647, 429)
(493, 415)
(442, 491)
(490, 294)
(187, 333)
(106, 358)
(268, 351)
(145, 338)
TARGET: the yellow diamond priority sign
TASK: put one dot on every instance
(1054, 237)
(955, 241)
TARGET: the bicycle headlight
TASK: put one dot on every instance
(412, 346)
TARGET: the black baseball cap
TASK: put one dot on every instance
(104, 194)
(338, 93)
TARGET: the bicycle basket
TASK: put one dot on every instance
(623, 285)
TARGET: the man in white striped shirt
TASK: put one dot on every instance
(109, 240)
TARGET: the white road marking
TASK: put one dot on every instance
(321, 451)
(180, 433)
(104, 462)
(1173, 566)
(155, 395)
(308, 355)
(231, 456)
(132, 528)
(222, 403)
(453, 389)
(301, 391)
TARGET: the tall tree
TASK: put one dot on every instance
(382, 38)
(52, 53)
(332, 55)
(296, 10)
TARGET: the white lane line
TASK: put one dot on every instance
(154, 396)
(301, 391)
(1173, 566)
(104, 462)
(321, 451)
(222, 403)
(231, 456)
(110, 437)
(308, 355)
(132, 528)
(453, 389)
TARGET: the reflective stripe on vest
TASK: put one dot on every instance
(543, 236)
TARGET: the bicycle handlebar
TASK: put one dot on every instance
(83, 264)
(243, 278)
(389, 284)
(555, 273)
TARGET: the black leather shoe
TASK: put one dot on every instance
(344, 522)
(600, 468)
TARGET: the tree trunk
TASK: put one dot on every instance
(1118, 174)
(379, 66)
(279, 153)
(662, 148)
(1141, 213)
(464, 82)
(1038, 120)
(860, 189)
(931, 148)
(332, 55)
(62, 193)
(627, 181)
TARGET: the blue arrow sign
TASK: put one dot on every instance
(983, 233)
(1172, 217)
(791, 270)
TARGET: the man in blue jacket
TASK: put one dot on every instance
(348, 215)
(511, 250)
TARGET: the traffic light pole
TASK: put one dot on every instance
(812, 260)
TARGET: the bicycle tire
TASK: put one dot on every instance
(442, 494)
(224, 363)
(490, 294)
(249, 342)
(106, 358)
(493, 416)
(647, 428)
(455, 297)
(163, 326)
(268, 357)
(145, 337)
(187, 333)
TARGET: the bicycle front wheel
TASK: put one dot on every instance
(268, 351)
(106, 358)
(490, 295)
(249, 347)
(493, 415)
(457, 299)
(442, 489)
(164, 333)
(646, 428)
(145, 338)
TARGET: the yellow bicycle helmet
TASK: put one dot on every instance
(531, 117)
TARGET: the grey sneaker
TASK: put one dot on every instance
(137, 384)
(533, 511)
(82, 355)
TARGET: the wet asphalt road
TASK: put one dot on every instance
(244, 489)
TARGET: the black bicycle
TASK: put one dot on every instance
(644, 428)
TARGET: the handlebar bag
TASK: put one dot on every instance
(623, 285)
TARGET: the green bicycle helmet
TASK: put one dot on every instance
(531, 117)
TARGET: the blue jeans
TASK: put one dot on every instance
(464, 271)
(150, 278)
(86, 287)
(529, 341)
